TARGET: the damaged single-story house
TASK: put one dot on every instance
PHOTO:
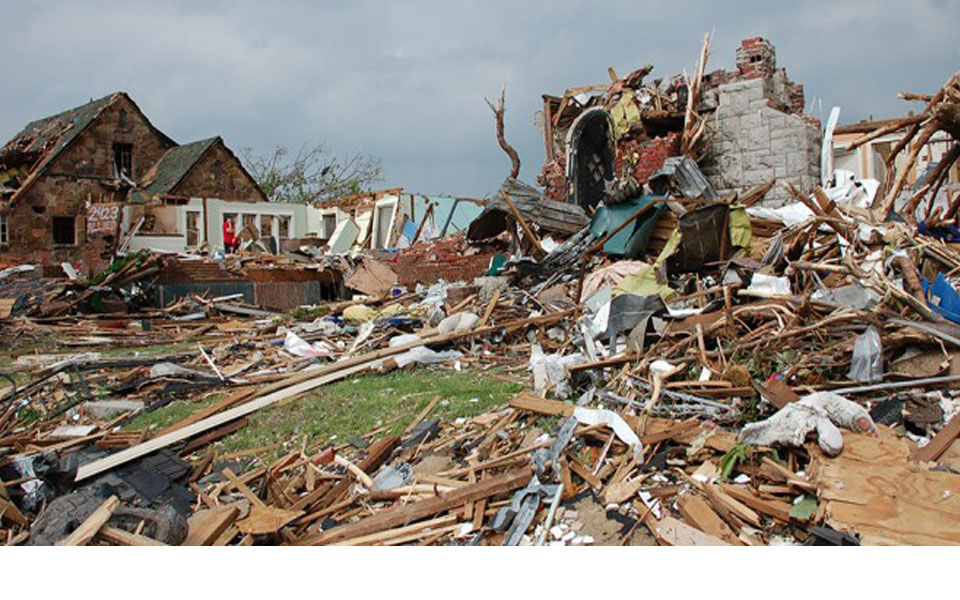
(624, 131)
(73, 183)
(388, 219)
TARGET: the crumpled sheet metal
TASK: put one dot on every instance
(520, 512)
(822, 412)
(681, 175)
(629, 310)
(543, 456)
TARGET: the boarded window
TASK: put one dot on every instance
(64, 231)
(123, 160)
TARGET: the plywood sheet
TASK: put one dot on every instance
(875, 490)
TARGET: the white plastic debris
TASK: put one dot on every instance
(590, 416)
(296, 345)
(551, 371)
(769, 284)
(420, 354)
(821, 412)
(461, 321)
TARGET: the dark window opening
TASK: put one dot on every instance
(39, 210)
(123, 118)
(217, 171)
(123, 160)
(329, 225)
(64, 231)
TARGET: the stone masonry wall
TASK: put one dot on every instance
(754, 142)
(83, 172)
(219, 174)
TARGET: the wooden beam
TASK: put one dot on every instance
(523, 224)
(940, 442)
(771, 508)
(89, 528)
(120, 537)
(402, 515)
(10, 512)
(697, 512)
(206, 526)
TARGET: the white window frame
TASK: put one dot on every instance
(375, 222)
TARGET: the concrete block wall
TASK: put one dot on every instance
(753, 142)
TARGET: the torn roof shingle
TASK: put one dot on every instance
(174, 165)
(59, 129)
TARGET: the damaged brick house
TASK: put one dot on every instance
(58, 171)
(625, 130)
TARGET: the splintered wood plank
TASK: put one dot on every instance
(266, 519)
(89, 528)
(423, 414)
(585, 474)
(722, 500)
(771, 508)
(673, 532)
(697, 512)
(402, 515)
(207, 525)
(10, 512)
(382, 536)
(121, 537)
(377, 454)
(940, 442)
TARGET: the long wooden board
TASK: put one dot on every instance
(89, 528)
(403, 515)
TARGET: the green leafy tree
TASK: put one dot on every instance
(312, 174)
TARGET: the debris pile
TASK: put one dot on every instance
(701, 367)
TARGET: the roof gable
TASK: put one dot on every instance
(50, 136)
(175, 165)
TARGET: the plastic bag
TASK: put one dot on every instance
(867, 364)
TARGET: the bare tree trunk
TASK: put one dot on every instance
(498, 111)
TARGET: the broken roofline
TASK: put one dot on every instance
(370, 198)
(54, 147)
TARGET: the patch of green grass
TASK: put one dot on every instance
(360, 404)
(171, 413)
(304, 314)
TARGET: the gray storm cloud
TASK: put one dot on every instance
(405, 82)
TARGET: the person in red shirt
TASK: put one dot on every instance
(229, 239)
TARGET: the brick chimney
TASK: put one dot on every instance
(756, 58)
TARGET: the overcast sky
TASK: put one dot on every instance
(405, 81)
